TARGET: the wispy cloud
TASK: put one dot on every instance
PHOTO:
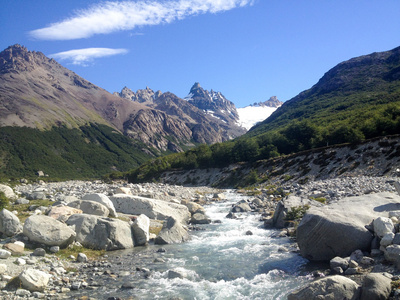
(87, 55)
(110, 16)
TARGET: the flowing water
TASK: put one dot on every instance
(221, 262)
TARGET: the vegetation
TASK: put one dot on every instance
(296, 213)
(62, 153)
(3, 201)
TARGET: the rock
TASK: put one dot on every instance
(8, 192)
(387, 239)
(376, 287)
(172, 232)
(34, 280)
(103, 199)
(4, 254)
(286, 205)
(62, 213)
(54, 249)
(351, 271)
(90, 207)
(48, 231)
(14, 248)
(20, 261)
(82, 257)
(39, 252)
(123, 190)
(9, 223)
(241, 206)
(22, 201)
(392, 254)
(101, 233)
(331, 287)
(193, 208)
(382, 226)
(152, 208)
(3, 268)
(177, 273)
(338, 229)
(199, 218)
(339, 262)
(140, 228)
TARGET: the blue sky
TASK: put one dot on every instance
(247, 49)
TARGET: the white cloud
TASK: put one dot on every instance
(84, 56)
(110, 16)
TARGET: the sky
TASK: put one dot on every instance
(249, 50)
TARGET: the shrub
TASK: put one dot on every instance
(3, 201)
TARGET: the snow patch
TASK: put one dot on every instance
(251, 115)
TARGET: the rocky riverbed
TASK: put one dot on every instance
(63, 277)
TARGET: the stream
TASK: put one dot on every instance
(233, 259)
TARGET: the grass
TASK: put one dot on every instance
(23, 209)
(75, 250)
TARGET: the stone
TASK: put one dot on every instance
(351, 271)
(241, 206)
(62, 212)
(22, 293)
(34, 280)
(9, 223)
(140, 228)
(22, 201)
(338, 229)
(152, 208)
(199, 218)
(8, 192)
(396, 239)
(3, 269)
(172, 232)
(14, 248)
(177, 273)
(81, 257)
(123, 190)
(382, 226)
(330, 287)
(368, 261)
(103, 199)
(39, 252)
(339, 262)
(376, 287)
(392, 254)
(193, 208)
(387, 239)
(48, 231)
(20, 261)
(54, 249)
(97, 232)
(4, 254)
(90, 207)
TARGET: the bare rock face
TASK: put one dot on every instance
(48, 231)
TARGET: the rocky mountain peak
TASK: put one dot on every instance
(146, 95)
(271, 102)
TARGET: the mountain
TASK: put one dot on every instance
(202, 126)
(257, 112)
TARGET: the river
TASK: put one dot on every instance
(221, 261)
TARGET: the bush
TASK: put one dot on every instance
(3, 201)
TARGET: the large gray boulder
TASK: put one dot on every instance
(376, 286)
(9, 223)
(103, 199)
(152, 208)
(140, 228)
(285, 206)
(8, 192)
(172, 232)
(339, 229)
(101, 233)
(90, 207)
(34, 280)
(48, 231)
(331, 287)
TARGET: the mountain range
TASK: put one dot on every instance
(37, 93)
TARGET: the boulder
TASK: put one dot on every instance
(172, 232)
(9, 223)
(103, 199)
(339, 262)
(392, 254)
(177, 273)
(376, 287)
(193, 207)
(331, 287)
(16, 248)
(4, 254)
(140, 228)
(199, 218)
(90, 207)
(34, 280)
(101, 233)
(286, 205)
(241, 206)
(62, 212)
(48, 231)
(340, 228)
(152, 208)
(8, 192)
(123, 190)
